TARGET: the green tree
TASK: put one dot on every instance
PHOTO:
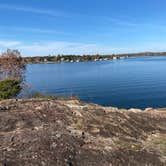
(9, 88)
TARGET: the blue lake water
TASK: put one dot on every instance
(128, 83)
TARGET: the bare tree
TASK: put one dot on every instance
(12, 65)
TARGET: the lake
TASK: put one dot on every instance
(136, 82)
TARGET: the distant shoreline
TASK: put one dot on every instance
(86, 58)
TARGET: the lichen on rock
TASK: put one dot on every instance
(72, 133)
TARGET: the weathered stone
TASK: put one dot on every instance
(58, 132)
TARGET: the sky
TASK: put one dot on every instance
(40, 28)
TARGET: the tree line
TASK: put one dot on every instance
(82, 58)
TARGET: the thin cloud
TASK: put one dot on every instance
(37, 30)
(122, 22)
(56, 13)
(53, 13)
(62, 47)
(31, 30)
(130, 24)
(9, 43)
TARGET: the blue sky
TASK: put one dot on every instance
(38, 27)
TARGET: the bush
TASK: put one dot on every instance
(45, 96)
(9, 88)
(41, 95)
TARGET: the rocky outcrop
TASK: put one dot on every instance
(71, 133)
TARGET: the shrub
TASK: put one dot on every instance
(9, 88)
(36, 94)
(41, 95)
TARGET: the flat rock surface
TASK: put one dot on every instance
(42, 132)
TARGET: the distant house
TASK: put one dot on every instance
(62, 59)
(114, 58)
